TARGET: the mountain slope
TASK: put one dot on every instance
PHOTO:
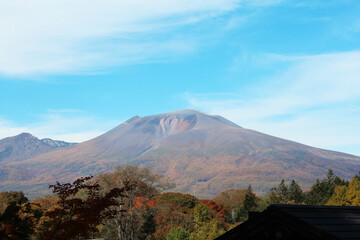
(21, 147)
(25, 145)
(204, 154)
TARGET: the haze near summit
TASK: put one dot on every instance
(72, 70)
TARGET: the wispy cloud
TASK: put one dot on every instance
(315, 101)
(64, 36)
(64, 124)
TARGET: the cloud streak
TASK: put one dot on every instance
(72, 36)
(314, 101)
(68, 125)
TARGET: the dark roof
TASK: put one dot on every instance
(300, 222)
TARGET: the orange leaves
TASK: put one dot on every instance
(142, 203)
(219, 209)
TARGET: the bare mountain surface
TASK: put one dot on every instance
(21, 147)
(25, 145)
(204, 154)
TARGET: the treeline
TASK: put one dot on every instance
(329, 191)
(130, 204)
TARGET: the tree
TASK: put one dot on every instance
(12, 225)
(205, 227)
(232, 199)
(321, 191)
(42, 222)
(218, 211)
(278, 195)
(78, 218)
(148, 225)
(173, 210)
(348, 195)
(209, 230)
(11, 197)
(295, 193)
(283, 190)
(250, 204)
(17, 218)
(201, 214)
(180, 199)
(250, 201)
(353, 192)
(144, 185)
(178, 233)
(339, 196)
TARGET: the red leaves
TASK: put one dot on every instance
(78, 217)
(219, 209)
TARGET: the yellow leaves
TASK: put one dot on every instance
(207, 231)
(205, 227)
(346, 195)
(339, 196)
(353, 193)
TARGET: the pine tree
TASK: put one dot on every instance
(321, 191)
(283, 190)
(295, 193)
(277, 195)
(148, 226)
(250, 201)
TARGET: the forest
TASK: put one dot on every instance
(133, 203)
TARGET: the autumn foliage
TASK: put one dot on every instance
(130, 204)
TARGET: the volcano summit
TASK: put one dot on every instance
(203, 154)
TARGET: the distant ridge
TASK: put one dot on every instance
(25, 145)
(204, 154)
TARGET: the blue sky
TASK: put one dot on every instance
(72, 70)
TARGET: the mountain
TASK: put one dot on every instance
(25, 145)
(21, 147)
(204, 154)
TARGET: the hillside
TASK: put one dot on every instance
(25, 145)
(204, 154)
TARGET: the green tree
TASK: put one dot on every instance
(178, 233)
(250, 204)
(295, 193)
(283, 190)
(272, 197)
(321, 191)
(250, 201)
(148, 225)
(278, 195)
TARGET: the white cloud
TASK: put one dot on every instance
(63, 36)
(316, 101)
(67, 125)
